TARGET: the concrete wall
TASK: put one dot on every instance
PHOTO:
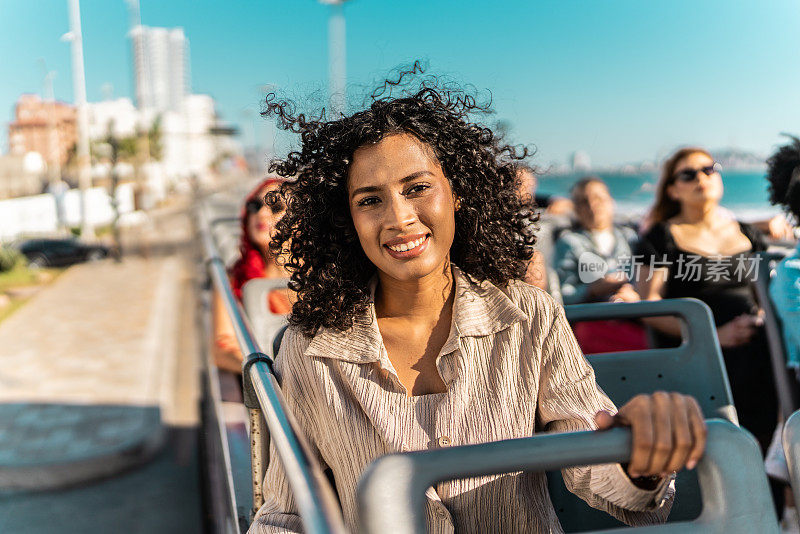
(36, 215)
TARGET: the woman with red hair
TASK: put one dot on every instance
(258, 217)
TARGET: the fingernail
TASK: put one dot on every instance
(634, 474)
(663, 474)
(691, 464)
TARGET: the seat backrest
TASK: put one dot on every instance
(791, 448)
(695, 367)
(255, 299)
(785, 383)
(391, 493)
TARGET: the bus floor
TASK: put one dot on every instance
(161, 496)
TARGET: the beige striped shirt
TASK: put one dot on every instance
(512, 367)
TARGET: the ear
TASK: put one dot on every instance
(671, 193)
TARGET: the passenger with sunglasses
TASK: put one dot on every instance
(260, 214)
(694, 248)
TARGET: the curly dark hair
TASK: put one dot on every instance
(495, 229)
(783, 175)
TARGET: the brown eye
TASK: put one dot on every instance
(417, 188)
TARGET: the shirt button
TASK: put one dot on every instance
(444, 441)
(440, 512)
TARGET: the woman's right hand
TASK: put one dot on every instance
(738, 331)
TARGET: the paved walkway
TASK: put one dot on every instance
(89, 367)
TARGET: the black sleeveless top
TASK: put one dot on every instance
(723, 283)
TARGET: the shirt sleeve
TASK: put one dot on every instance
(566, 255)
(279, 513)
(569, 397)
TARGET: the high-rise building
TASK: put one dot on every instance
(160, 62)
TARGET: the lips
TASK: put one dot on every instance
(406, 247)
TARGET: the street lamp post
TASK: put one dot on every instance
(79, 87)
(337, 56)
(54, 153)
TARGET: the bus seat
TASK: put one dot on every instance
(391, 492)
(785, 383)
(791, 448)
(265, 324)
(695, 367)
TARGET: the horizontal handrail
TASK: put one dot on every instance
(315, 500)
(391, 493)
(693, 314)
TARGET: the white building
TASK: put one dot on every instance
(581, 162)
(119, 114)
(189, 146)
(160, 61)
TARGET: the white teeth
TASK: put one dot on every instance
(403, 247)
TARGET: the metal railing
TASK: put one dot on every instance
(269, 416)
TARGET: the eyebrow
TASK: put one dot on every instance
(375, 189)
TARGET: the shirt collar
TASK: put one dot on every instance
(480, 309)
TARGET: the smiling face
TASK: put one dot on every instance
(402, 207)
(261, 225)
(703, 189)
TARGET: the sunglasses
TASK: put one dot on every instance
(273, 202)
(690, 175)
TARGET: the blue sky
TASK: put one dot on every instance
(622, 80)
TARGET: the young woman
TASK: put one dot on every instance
(258, 221)
(406, 241)
(709, 256)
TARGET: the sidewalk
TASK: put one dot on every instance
(89, 366)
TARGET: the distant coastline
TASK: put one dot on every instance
(746, 191)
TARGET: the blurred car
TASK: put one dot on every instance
(60, 252)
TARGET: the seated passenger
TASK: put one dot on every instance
(784, 179)
(551, 204)
(694, 250)
(256, 261)
(784, 290)
(595, 238)
(536, 272)
(587, 260)
(412, 330)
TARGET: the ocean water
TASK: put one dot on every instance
(745, 192)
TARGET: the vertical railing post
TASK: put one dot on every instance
(259, 455)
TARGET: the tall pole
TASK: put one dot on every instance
(53, 146)
(79, 88)
(337, 57)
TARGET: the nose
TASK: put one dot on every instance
(400, 213)
(701, 176)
